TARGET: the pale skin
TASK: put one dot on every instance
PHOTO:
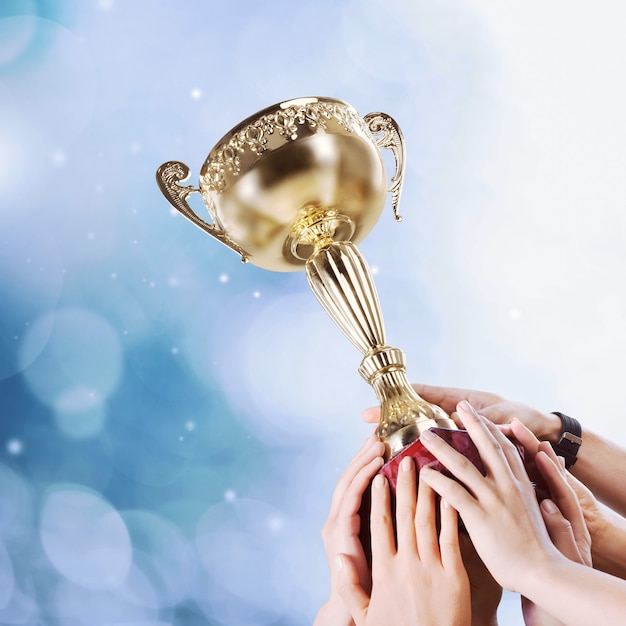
(505, 499)
(598, 477)
(420, 580)
(563, 517)
(341, 530)
(592, 481)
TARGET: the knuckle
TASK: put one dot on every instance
(405, 515)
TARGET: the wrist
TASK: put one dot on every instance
(552, 428)
(333, 613)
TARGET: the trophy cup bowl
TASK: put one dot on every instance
(295, 187)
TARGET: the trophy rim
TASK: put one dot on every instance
(284, 104)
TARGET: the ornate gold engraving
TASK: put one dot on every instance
(287, 122)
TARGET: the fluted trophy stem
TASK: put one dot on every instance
(342, 282)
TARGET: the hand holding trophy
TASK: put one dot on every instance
(297, 186)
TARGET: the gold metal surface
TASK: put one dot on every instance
(296, 186)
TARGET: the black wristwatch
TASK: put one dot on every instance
(571, 439)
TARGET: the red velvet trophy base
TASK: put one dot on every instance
(460, 441)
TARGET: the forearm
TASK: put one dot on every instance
(575, 594)
(599, 462)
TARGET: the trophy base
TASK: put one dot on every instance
(461, 442)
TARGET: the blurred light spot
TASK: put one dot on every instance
(15, 447)
(239, 552)
(175, 350)
(294, 372)
(58, 158)
(223, 278)
(163, 556)
(85, 538)
(374, 270)
(172, 281)
(275, 523)
(79, 413)
(106, 5)
(135, 147)
(190, 426)
(83, 352)
(113, 276)
(256, 294)
(73, 604)
(515, 314)
(230, 495)
(91, 235)
(196, 94)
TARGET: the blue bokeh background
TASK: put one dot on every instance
(172, 423)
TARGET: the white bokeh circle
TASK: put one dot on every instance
(84, 537)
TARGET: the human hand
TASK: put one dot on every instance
(496, 409)
(607, 530)
(499, 510)
(341, 529)
(562, 514)
(422, 580)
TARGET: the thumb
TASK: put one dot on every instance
(560, 531)
(371, 415)
(350, 591)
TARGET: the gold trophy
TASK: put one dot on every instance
(297, 186)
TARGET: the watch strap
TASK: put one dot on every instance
(571, 438)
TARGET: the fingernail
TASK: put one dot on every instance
(549, 507)
(379, 481)
(428, 435)
(406, 464)
(339, 562)
(466, 406)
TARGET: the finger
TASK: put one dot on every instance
(406, 497)
(353, 595)
(559, 461)
(372, 447)
(454, 493)
(426, 525)
(448, 397)
(371, 415)
(560, 531)
(381, 526)
(498, 454)
(565, 498)
(449, 538)
(353, 495)
(526, 438)
(457, 464)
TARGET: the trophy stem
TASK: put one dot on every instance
(342, 282)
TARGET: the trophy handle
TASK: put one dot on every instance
(392, 138)
(168, 176)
